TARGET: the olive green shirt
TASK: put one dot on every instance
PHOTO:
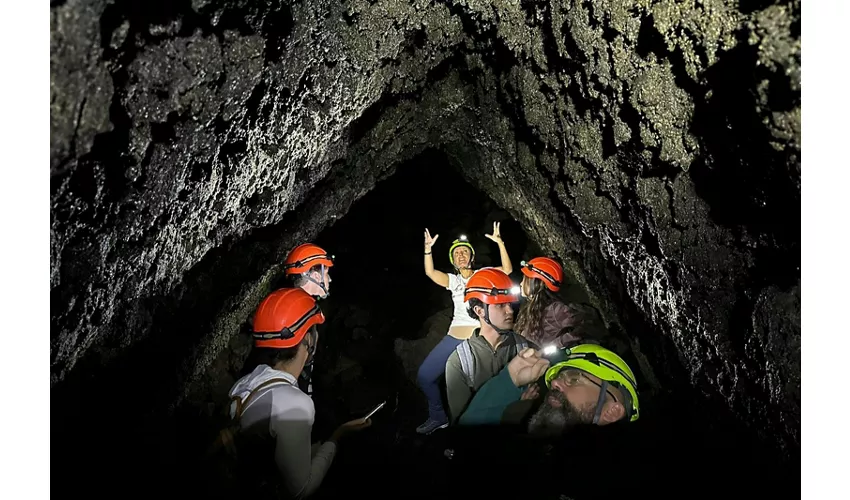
(486, 363)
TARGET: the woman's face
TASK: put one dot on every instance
(525, 286)
(462, 256)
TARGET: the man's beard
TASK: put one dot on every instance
(552, 421)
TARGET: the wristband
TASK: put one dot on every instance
(427, 253)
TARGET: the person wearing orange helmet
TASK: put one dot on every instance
(308, 267)
(543, 317)
(461, 256)
(489, 295)
(274, 416)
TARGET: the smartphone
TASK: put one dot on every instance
(375, 410)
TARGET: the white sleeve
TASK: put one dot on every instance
(291, 426)
(452, 281)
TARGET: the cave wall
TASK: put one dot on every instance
(145, 185)
(653, 144)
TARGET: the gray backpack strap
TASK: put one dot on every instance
(242, 405)
(464, 354)
(520, 343)
(227, 436)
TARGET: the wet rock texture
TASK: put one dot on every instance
(653, 144)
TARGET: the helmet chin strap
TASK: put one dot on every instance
(600, 402)
(311, 352)
(320, 284)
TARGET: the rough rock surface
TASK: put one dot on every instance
(654, 144)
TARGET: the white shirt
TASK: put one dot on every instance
(457, 284)
(286, 415)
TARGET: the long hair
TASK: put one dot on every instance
(530, 317)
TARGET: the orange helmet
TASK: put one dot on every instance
(491, 286)
(545, 269)
(284, 317)
(303, 257)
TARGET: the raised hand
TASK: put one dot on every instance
(429, 241)
(526, 367)
(495, 236)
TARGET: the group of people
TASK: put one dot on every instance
(496, 369)
(272, 403)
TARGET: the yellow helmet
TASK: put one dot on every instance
(605, 364)
(461, 242)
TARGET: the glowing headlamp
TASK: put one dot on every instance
(555, 354)
(515, 290)
(462, 237)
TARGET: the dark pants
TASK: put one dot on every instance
(429, 375)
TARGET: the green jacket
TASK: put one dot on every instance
(489, 403)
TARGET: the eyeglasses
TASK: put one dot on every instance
(573, 377)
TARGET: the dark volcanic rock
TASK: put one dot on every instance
(655, 145)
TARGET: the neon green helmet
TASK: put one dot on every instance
(460, 242)
(605, 364)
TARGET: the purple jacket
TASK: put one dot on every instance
(556, 317)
